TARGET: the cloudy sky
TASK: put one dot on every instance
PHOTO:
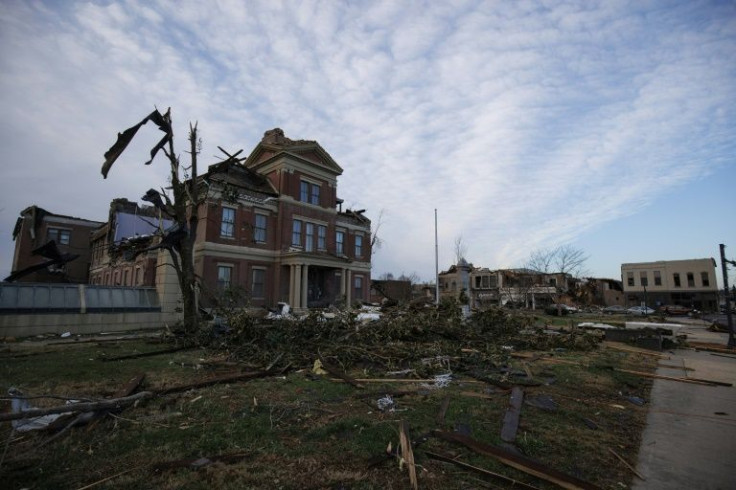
(606, 125)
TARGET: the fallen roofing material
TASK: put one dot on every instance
(513, 413)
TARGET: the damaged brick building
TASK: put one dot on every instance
(271, 226)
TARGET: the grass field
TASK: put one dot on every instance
(300, 430)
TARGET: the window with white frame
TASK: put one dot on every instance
(340, 242)
(309, 237)
(61, 237)
(304, 191)
(224, 276)
(259, 232)
(296, 233)
(314, 197)
(358, 245)
(321, 237)
(258, 286)
(227, 225)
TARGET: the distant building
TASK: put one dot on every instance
(36, 227)
(601, 292)
(690, 283)
(506, 287)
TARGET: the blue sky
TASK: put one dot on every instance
(607, 125)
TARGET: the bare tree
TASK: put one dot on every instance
(412, 277)
(565, 261)
(183, 210)
(461, 249)
(376, 241)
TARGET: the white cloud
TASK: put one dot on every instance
(518, 120)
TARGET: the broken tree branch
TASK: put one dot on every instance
(112, 404)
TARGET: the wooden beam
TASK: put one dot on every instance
(519, 462)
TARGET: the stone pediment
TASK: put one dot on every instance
(275, 145)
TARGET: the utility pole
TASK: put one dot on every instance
(436, 263)
(729, 317)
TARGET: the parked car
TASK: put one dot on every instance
(674, 310)
(640, 310)
(615, 309)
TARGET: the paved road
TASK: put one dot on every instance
(690, 438)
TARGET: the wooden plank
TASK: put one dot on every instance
(672, 378)
(633, 470)
(213, 381)
(519, 462)
(149, 354)
(407, 454)
(513, 413)
(625, 348)
(443, 411)
(339, 374)
(498, 476)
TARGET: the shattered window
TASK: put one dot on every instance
(705, 279)
(227, 226)
(259, 234)
(657, 278)
(224, 276)
(61, 237)
(486, 282)
(358, 246)
(340, 242)
(259, 281)
(296, 233)
(321, 237)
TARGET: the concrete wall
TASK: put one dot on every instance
(26, 325)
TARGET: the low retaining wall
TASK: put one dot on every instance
(25, 325)
(34, 309)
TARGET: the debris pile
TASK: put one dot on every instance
(426, 341)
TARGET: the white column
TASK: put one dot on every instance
(297, 286)
(305, 285)
(291, 285)
(348, 287)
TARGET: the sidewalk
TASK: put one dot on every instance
(690, 438)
